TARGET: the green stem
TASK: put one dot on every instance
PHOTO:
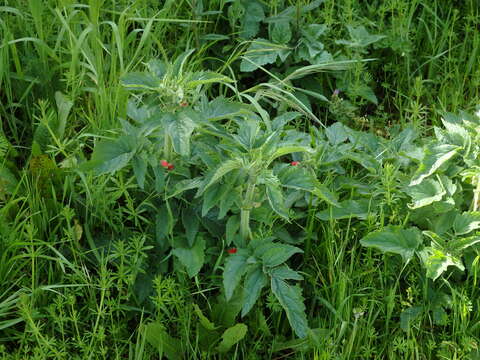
(245, 213)
(476, 194)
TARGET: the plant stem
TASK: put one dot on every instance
(476, 194)
(245, 213)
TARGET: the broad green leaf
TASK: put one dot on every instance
(359, 37)
(191, 224)
(232, 336)
(140, 81)
(408, 315)
(139, 169)
(253, 15)
(435, 156)
(206, 323)
(221, 108)
(157, 336)
(211, 198)
(285, 150)
(347, 209)
(458, 245)
(231, 228)
(281, 33)
(425, 193)
(110, 156)
(235, 267)
(337, 133)
(437, 261)
(326, 195)
(280, 121)
(254, 283)
(259, 53)
(275, 198)
(180, 131)
(396, 240)
(466, 222)
(298, 178)
(278, 253)
(290, 297)
(192, 258)
(185, 185)
(222, 170)
(285, 273)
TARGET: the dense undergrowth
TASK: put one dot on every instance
(239, 179)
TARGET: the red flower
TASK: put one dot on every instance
(170, 167)
(164, 163)
(232, 250)
(294, 163)
(184, 104)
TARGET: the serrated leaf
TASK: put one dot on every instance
(232, 336)
(408, 315)
(285, 150)
(232, 226)
(437, 261)
(337, 133)
(211, 197)
(298, 178)
(139, 81)
(425, 193)
(280, 121)
(275, 198)
(466, 222)
(435, 156)
(254, 14)
(110, 156)
(191, 224)
(461, 244)
(192, 258)
(326, 195)
(346, 209)
(285, 273)
(396, 240)
(281, 32)
(359, 37)
(278, 254)
(157, 336)
(180, 130)
(222, 170)
(139, 169)
(254, 283)
(235, 267)
(259, 53)
(290, 297)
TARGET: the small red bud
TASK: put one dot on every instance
(184, 104)
(294, 163)
(164, 163)
(170, 167)
(232, 250)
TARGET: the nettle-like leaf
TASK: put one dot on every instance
(435, 156)
(396, 240)
(359, 38)
(192, 258)
(291, 299)
(180, 128)
(347, 209)
(467, 222)
(425, 193)
(158, 337)
(235, 267)
(277, 254)
(110, 156)
(262, 52)
(255, 281)
(436, 261)
(253, 15)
